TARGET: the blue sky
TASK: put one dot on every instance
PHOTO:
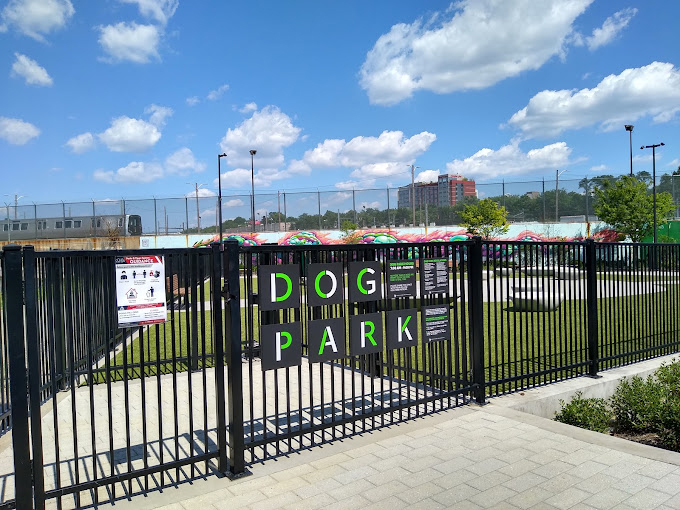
(136, 98)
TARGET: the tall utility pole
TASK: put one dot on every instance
(557, 194)
(198, 212)
(219, 195)
(413, 192)
(252, 185)
(629, 128)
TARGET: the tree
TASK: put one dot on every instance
(627, 206)
(349, 232)
(485, 218)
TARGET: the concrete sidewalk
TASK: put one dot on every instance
(465, 458)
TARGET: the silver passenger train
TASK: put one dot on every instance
(65, 227)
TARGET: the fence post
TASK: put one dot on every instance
(476, 304)
(591, 302)
(218, 338)
(237, 466)
(18, 383)
(33, 354)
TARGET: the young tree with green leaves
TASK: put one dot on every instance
(486, 218)
(627, 206)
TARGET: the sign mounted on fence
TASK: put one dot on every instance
(434, 276)
(140, 290)
(401, 278)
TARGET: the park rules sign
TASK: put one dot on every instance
(140, 290)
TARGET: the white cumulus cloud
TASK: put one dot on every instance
(370, 157)
(81, 143)
(652, 90)
(134, 172)
(234, 202)
(511, 160)
(158, 114)
(474, 45)
(268, 131)
(193, 100)
(31, 71)
(427, 176)
(130, 41)
(36, 18)
(130, 135)
(202, 193)
(183, 162)
(17, 131)
(249, 107)
(159, 10)
(611, 27)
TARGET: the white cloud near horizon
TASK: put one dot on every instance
(510, 160)
(130, 135)
(134, 172)
(130, 42)
(652, 90)
(32, 72)
(17, 131)
(427, 176)
(472, 45)
(82, 143)
(610, 29)
(202, 193)
(183, 162)
(249, 107)
(369, 157)
(36, 18)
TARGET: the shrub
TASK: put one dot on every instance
(636, 404)
(668, 417)
(587, 413)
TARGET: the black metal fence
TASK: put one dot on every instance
(112, 412)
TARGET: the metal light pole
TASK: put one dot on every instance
(653, 147)
(219, 196)
(198, 211)
(252, 185)
(629, 128)
(557, 194)
(413, 192)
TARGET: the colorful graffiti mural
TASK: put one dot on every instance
(388, 236)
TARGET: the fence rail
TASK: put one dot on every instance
(113, 412)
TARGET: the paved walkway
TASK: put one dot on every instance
(465, 458)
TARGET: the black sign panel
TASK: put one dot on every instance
(434, 276)
(280, 345)
(402, 328)
(325, 285)
(401, 278)
(364, 281)
(436, 325)
(279, 286)
(365, 333)
(326, 339)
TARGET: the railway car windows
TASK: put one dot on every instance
(5, 227)
(99, 223)
(24, 226)
(58, 224)
(68, 223)
(42, 225)
(15, 226)
(120, 222)
(77, 223)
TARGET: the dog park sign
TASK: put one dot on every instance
(279, 288)
(140, 290)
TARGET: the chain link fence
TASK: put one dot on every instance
(545, 201)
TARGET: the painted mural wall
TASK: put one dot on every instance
(517, 232)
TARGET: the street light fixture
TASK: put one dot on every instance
(629, 128)
(252, 186)
(219, 196)
(653, 147)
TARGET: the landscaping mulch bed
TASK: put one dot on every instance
(648, 438)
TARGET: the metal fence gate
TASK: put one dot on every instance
(97, 413)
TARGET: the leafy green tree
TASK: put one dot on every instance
(485, 218)
(627, 206)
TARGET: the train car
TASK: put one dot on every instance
(66, 227)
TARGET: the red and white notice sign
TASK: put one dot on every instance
(140, 290)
